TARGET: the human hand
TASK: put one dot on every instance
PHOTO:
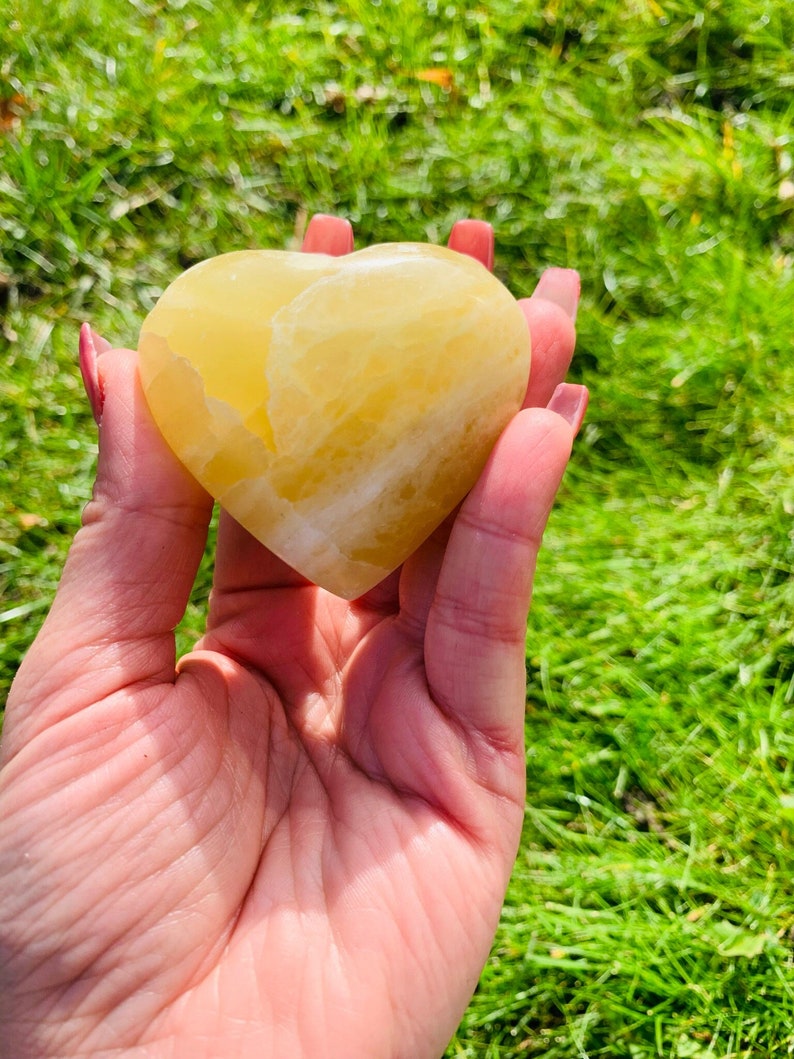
(295, 841)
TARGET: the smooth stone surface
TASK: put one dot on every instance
(338, 407)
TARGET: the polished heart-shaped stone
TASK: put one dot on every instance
(338, 407)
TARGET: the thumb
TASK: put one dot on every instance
(132, 564)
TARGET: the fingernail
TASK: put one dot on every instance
(570, 401)
(561, 286)
(327, 234)
(89, 371)
(101, 345)
(475, 238)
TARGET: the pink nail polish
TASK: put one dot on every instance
(328, 234)
(101, 345)
(561, 286)
(90, 371)
(475, 238)
(570, 401)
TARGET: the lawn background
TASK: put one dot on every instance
(648, 144)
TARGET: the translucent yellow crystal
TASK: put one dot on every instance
(338, 408)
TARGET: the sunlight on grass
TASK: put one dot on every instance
(647, 144)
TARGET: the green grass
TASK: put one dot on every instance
(646, 143)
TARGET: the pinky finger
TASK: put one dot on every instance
(476, 628)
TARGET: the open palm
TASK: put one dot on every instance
(296, 841)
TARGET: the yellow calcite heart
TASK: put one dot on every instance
(338, 407)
